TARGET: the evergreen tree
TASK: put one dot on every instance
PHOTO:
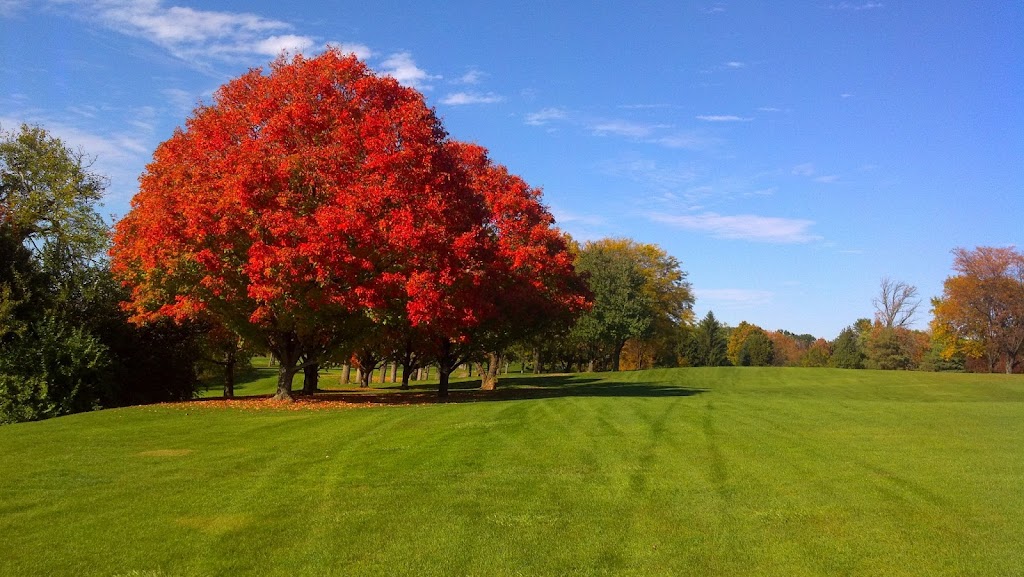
(846, 350)
(708, 343)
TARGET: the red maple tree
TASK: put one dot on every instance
(530, 283)
(304, 207)
(297, 199)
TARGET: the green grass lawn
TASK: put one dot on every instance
(728, 471)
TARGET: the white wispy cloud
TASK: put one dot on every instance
(289, 43)
(722, 118)
(361, 51)
(623, 128)
(805, 169)
(9, 8)
(544, 116)
(474, 76)
(85, 110)
(744, 227)
(651, 173)
(118, 155)
(403, 68)
(143, 118)
(182, 101)
(582, 227)
(193, 34)
(686, 140)
(644, 106)
(761, 192)
(201, 36)
(178, 24)
(735, 64)
(113, 147)
(856, 6)
(463, 98)
(563, 217)
(808, 170)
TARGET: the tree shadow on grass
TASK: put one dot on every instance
(509, 389)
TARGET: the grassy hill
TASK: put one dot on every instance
(730, 471)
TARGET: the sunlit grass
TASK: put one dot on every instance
(727, 471)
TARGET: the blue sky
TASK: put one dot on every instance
(790, 154)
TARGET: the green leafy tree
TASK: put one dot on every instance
(623, 307)
(48, 197)
(51, 361)
(935, 359)
(658, 303)
(750, 346)
(885, 351)
(846, 350)
(671, 297)
(65, 344)
(895, 348)
(708, 343)
(757, 350)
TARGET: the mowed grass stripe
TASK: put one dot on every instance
(684, 472)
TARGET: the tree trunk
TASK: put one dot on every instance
(310, 378)
(407, 370)
(288, 353)
(284, 383)
(536, 361)
(365, 376)
(590, 366)
(445, 366)
(346, 374)
(489, 380)
(229, 375)
(617, 355)
(406, 375)
(442, 385)
(394, 373)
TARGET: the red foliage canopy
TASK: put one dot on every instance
(535, 278)
(312, 187)
(321, 192)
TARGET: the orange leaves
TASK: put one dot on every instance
(266, 403)
(981, 311)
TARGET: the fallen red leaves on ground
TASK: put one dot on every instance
(334, 400)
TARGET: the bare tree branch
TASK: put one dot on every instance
(896, 304)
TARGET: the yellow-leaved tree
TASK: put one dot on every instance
(981, 310)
